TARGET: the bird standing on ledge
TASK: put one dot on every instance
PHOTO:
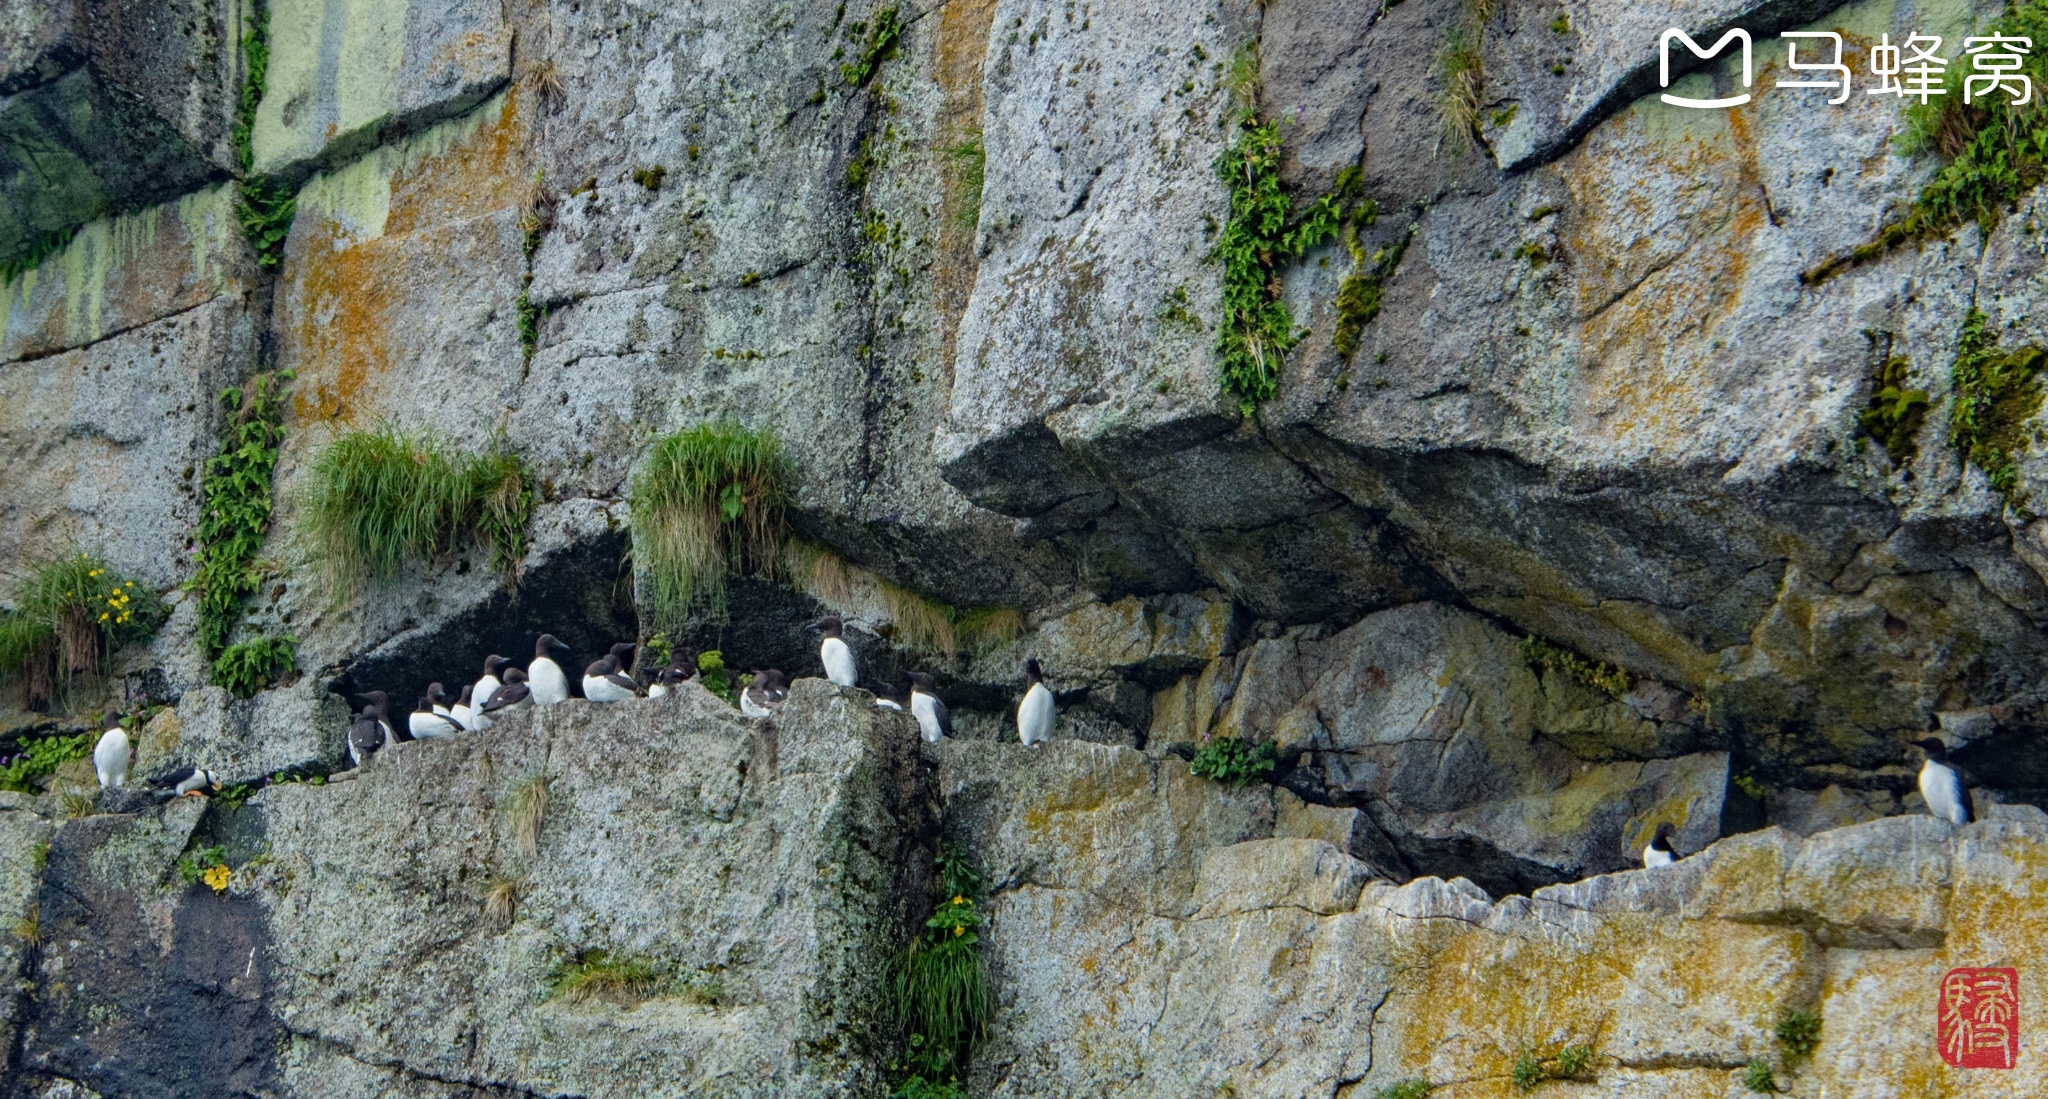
(834, 652)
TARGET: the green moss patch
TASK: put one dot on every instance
(1896, 411)
(1997, 395)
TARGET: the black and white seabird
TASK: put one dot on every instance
(1948, 796)
(764, 694)
(381, 703)
(1034, 714)
(668, 679)
(834, 652)
(111, 757)
(623, 653)
(512, 696)
(463, 712)
(545, 678)
(485, 688)
(437, 697)
(424, 723)
(1660, 852)
(890, 698)
(365, 736)
(932, 719)
(602, 682)
(196, 784)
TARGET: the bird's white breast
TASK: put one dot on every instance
(1654, 857)
(429, 725)
(1942, 788)
(1034, 715)
(545, 683)
(110, 758)
(927, 718)
(657, 690)
(838, 662)
(600, 689)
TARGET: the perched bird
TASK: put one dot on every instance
(764, 694)
(932, 719)
(889, 698)
(623, 653)
(668, 679)
(1034, 714)
(1948, 797)
(544, 677)
(197, 783)
(365, 736)
(833, 651)
(437, 697)
(381, 703)
(424, 722)
(112, 756)
(463, 712)
(602, 681)
(485, 689)
(513, 695)
(1660, 852)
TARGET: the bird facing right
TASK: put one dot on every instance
(1948, 797)
(1660, 852)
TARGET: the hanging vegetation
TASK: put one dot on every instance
(706, 502)
(380, 497)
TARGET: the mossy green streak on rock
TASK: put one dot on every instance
(1896, 411)
(1996, 398)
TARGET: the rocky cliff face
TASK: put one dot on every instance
(1579, 529)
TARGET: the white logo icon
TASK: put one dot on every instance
(1664, 66)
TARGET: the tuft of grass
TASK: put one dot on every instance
(706, 501)
(501, 897)
(237, 495)
(1605, 678)
(1227, 759)
(77, 806)
(883, 34)
(1798, 1033)
(546, 82)
(650, 178)
(1896, 411)
(922, 624)
(829, 579)
(1756, 1076)
(970, 160)
(251, 666)
(939, 989)
(69, 613)
(379, 497)
(1570, 1063)
(1406, 1089)
(1996, 397)
(1462, 78)
(1527, 1073)
(986, 630)
(598, 975)
(526, 809)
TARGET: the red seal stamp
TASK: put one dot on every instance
(1979, 1021)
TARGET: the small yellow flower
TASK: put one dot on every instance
(131, 583)
(959, 900)
(94, 572)
(217, 877)
(103, 616)
(958, 931)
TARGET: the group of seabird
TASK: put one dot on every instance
(1948, 797)
(115, 753)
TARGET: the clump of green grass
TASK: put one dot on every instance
(1996, 397)
(1757, 1077)
(69, 613)
(1896, 411)
(382, 496)
(1461, 73)
(939, 990)
(923, 624)
(970, 161)
(501, 897)
(526, 810)
(705, 502)
(598, 975)
(1406, 1089)
(77, 806)
(251, 666)
(1570, 1063)
(1363, 291)
(237, 494)
(883, 33)
(1798, 1033)
(1232, 761)
(1605, 678)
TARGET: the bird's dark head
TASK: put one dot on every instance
(377, 699)
(623, 652)
(515, 675)
(1665, 831)
(437, 694)
(921, 680)
(830, 625)
(1032, 672)
(422, 706)
(1933, 748)
(495, 664)
(549, 646)
(368, 713)
(468, 692)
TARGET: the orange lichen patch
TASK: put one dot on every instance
(347, 269)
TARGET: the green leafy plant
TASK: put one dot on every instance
(883, 33)
(234, 794)
(251, 666)
(1757, 1077)
(599, 975)
(255, 74)
(657, 651)
(194, 865)
(237, 496)
(38, 759)
(33, 255)
(1605, 678)
(1406, 1089)
(1569, 1063)
(1751, 788)
(1798, 1033)
(527, 315)
(1896, 411)
(1228, 759)
(266, 208)
(939, 989)
(1996, 397)
(712, 674)
(381, 496)
(69, 613)
(705, 502)
(1527, 1072)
